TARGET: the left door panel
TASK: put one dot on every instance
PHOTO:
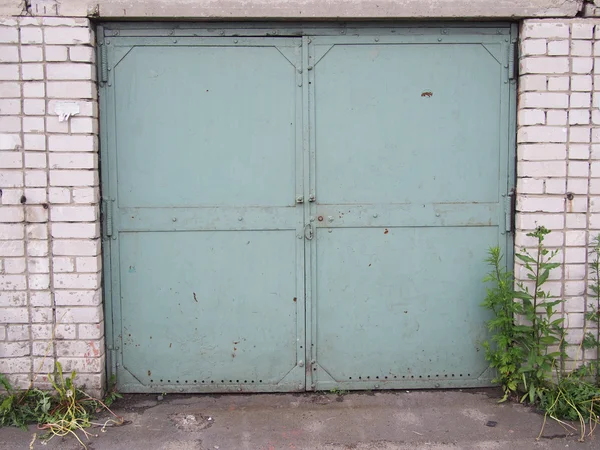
(202, 160)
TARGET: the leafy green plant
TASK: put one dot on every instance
(522, 353)
(112, 394)
(68, 412)
(591, 339)
(338, 391)
(503, 352)
(542, 336)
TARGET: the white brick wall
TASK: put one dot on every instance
(50, 265)
(558, 167)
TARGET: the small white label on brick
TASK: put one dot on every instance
(64, 110)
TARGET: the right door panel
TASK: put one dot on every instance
(410, 175)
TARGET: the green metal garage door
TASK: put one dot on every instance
(302, 207)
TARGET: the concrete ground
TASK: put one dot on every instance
(392, 420)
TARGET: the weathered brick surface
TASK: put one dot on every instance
(50, 265)
(558, 168)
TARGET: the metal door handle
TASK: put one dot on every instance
(308, 231)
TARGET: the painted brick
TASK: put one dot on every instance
(530, 186)
(556, 117)
(534, 47)
(68, 71)
(34, 125)
(77, 230)
(9, 54)
(86, 195)
(544, 65)
(36, 178)
(579, 117)
(80, 314)
(542, 168)
(35, 195)
(54, 126)
(82, 365)
(581, 83)
(31, 53)
(10, 90)
(34, 107)
(542, 152)
(35, 160)
(12, 248)
(75, 143)
(37, 231)
(38, 265)
(10, 124)
(76, 281)
(12, 231)
(84, 125)
(577, 186)
(56, 53)
(40, 299)
(582, 31)
(531, 221)
(32, 71)
(14, 315)
(558, 48)
(91, 264)
(9, 35)
(72, 214)
(12, 214)
(545, 29)
(533, 83)
(90, 331)
(73, 160)
(10, 106)
(581, 48)
(582, 65)
(13, 299)
(15, 265)
(580, 100)
(579, 151)
(71, 89)
(31, 35)
(544, 100)
(68, 36)
(82, 54)
(63, 264)
(580, 134)
(73, 178)
(78, 297)
(35, 90)
(59, 195)
(542, 134)
(540, 204)
(17, 332)
(76, 247)
(11, 160)
(578, 169)
(559, 84)
(37, 248)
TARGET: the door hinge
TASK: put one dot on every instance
(509, 209)
(512, 58)
(108, 219)
(102, 57)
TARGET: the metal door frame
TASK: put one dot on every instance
(338, 32)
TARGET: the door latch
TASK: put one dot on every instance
(308, 231)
